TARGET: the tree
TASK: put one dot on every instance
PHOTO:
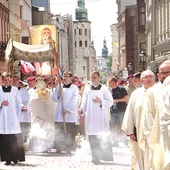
(109, 63)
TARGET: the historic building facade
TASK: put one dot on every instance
(131, 34)
(4, 32)
(159, 21)
(115, 60)
(84, 59)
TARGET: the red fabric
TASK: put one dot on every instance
(26, 67)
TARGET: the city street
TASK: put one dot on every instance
(79, 160)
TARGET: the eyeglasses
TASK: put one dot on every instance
(165, 73)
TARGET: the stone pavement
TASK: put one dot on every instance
(81, 160)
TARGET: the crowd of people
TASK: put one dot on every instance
(146, 121)
(48, 113)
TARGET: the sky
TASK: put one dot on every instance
(101, 14)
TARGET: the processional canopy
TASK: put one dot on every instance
(29, 53)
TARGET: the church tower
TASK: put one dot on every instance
(84, 52)
(81, 12)
(104, 49)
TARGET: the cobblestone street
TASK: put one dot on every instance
(81, 160)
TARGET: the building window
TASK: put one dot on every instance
(25, 40)
(85, 31)
(21, 11)
(74, 31)
(75, 44)
(80, 31)
(85, 43)
(142, 46)
(142, 19)
(80, 43)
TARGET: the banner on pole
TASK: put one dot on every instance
(45, 34)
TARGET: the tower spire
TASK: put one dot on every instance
(81, 11)
(104, 49)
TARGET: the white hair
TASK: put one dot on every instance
(146, 72)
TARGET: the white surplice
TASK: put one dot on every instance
(25, 115)
(9, 115)
(68, 101)
(97, 117)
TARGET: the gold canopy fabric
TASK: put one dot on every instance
(29, 53)
(41, 56)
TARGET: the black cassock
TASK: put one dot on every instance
(11, 145)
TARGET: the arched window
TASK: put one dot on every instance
(85, 43)
(80, 43)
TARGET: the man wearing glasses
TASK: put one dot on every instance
(151, 126)
(66, 96)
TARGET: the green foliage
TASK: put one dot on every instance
(101, 77)
(109, 63)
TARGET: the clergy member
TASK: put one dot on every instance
(132, 119)
(42, 120)
(25, 116)
(66, 96)
(165, 123)
(151, 135)
(96, 103)
(10, 132)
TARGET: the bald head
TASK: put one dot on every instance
(166, 62)
(164, 70)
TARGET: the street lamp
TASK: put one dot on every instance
(142, 56)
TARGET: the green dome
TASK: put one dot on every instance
(81, 12)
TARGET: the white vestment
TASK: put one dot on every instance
(97, 117)
(9, 115)
(68, 101)
(131, 120)
(150, 136)
(25, 115)
(42, 123)
(165, 126)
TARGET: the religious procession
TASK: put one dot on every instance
(48, 113)
(55, 110)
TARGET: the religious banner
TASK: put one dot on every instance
(45, 34)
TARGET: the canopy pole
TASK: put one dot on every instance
(56, 64)
(12, 63)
